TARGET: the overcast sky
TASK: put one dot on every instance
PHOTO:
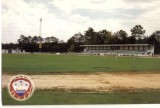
(63, 18)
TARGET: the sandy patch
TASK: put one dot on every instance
(99, 82)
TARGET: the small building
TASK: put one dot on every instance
(5, 51)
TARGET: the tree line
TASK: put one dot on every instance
(89, 37)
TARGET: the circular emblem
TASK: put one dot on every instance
(20, 87)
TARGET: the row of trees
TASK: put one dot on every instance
(90, 36)
(49, 44)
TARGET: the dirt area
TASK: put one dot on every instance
(94, 82)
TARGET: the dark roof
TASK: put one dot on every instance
(119, 45)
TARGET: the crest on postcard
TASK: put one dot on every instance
(20, 87)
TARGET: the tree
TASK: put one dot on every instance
(35, 39)
(23, 39)
(75, 41)
(29, 38)
(154, 41)
(90, 36)
(39, 39)
(23, 42)
(72, 47)
(78, 38)
(54, 39)
(122, 36)
(106, 36)
(61, 41)
(9, 46)
(157, 35)
(47, 39)
(131, 40)
(137, 31)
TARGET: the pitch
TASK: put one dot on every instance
(50, 64)
(101, 77)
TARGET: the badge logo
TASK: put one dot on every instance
(20, 87)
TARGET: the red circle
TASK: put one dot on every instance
(27, 93)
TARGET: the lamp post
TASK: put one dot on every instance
(40, 34)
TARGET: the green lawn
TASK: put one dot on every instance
(52, 98)
(49, 64)
(41, 63)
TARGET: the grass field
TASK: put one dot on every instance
(45, 64)
(61, 64)
(53, 98)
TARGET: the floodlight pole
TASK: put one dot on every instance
(40, 27)
(40, 34)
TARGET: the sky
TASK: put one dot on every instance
(64, 18)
